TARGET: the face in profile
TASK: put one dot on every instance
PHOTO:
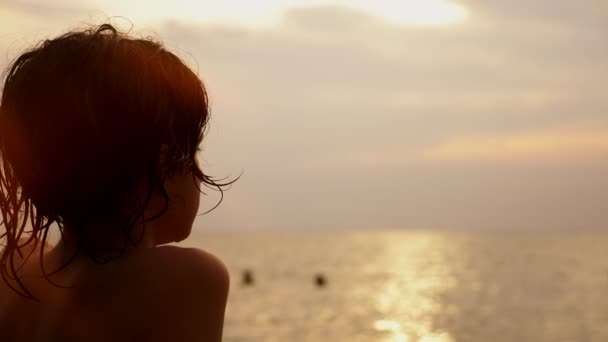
(184, 199)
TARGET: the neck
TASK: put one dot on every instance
(68, 252)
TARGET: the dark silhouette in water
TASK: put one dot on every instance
(247, 278)
(320, 280)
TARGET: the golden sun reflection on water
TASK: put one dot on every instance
(408, 301)
(392, 327)
(417, 286)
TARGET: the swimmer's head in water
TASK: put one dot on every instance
(92, 124)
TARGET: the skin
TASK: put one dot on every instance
(152, 293)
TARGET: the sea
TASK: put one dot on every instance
(414, 285)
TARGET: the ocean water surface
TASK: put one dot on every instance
(415, 286)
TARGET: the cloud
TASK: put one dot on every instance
(561, 145)
(545, 11)
(367, 82)
(553, 146)
(487, 124)
(342, 119)
(47, 10)
(27, 22)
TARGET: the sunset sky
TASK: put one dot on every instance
(377, 114)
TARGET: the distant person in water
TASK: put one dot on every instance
(247, 278)
(320, 280)
(99, 135)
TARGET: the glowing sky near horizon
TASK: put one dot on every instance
(265, 13)
(383, 114)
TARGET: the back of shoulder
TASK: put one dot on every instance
(184, 291)
(197, 266)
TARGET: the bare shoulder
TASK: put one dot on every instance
(161, 294)
(186, 271)
(186, 268)
(189, 288)
(194, 261)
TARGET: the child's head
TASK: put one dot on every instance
(92, 124)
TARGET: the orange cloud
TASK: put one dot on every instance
(562, 144)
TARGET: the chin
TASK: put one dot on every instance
(182, 235)
(173, 227)
(171, 237)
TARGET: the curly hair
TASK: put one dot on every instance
(84, 118)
